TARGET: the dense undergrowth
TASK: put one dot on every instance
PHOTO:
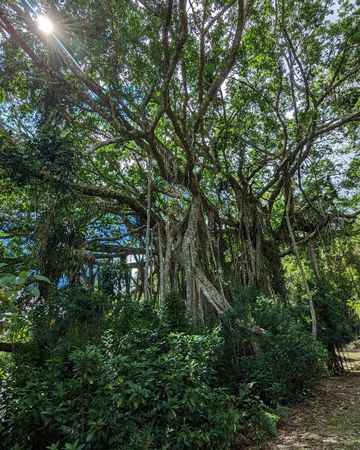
(108, 373)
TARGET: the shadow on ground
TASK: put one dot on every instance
(331, 418)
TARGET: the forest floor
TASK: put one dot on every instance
(330, 419)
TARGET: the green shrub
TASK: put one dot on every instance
(68, 319)
(257, 420)
(134, 397)
(174, 312)
(337, 321)
(283, 363)
(108, 373)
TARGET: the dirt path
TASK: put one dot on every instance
(331, 418)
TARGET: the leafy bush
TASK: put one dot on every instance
(110, 373)
(257, 419)
(68, 319)
(283, 363)
(174, 312)
(150, 388)
(17, 293)
(338, 323)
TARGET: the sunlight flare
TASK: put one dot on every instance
(45, 24)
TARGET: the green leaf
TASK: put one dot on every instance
(20, 281)
(41, 278)
(33, 290)
(54, 446)
(7, 278)
(23, 274)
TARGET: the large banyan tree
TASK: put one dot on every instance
(195, 142)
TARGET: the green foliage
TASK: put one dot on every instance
(127, 317)
(258, 421)
(69, 318)
(150, 388)
(151, 402)
(102, 372)
(16, 292)
(335, 293)
(11, 285)
(174, 313)
(337, 321)
(283, 361)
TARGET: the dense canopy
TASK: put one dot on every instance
(194, 152)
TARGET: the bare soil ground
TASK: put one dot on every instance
(331, 418)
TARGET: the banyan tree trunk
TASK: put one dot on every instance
(194, 253)
(202, 283)
(190, 250)
(258, 256)
(251, 249)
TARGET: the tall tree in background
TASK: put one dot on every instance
(245, 112)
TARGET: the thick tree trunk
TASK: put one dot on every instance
(259, 260)
(335, 364)
(193, 251)
(201, 282)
